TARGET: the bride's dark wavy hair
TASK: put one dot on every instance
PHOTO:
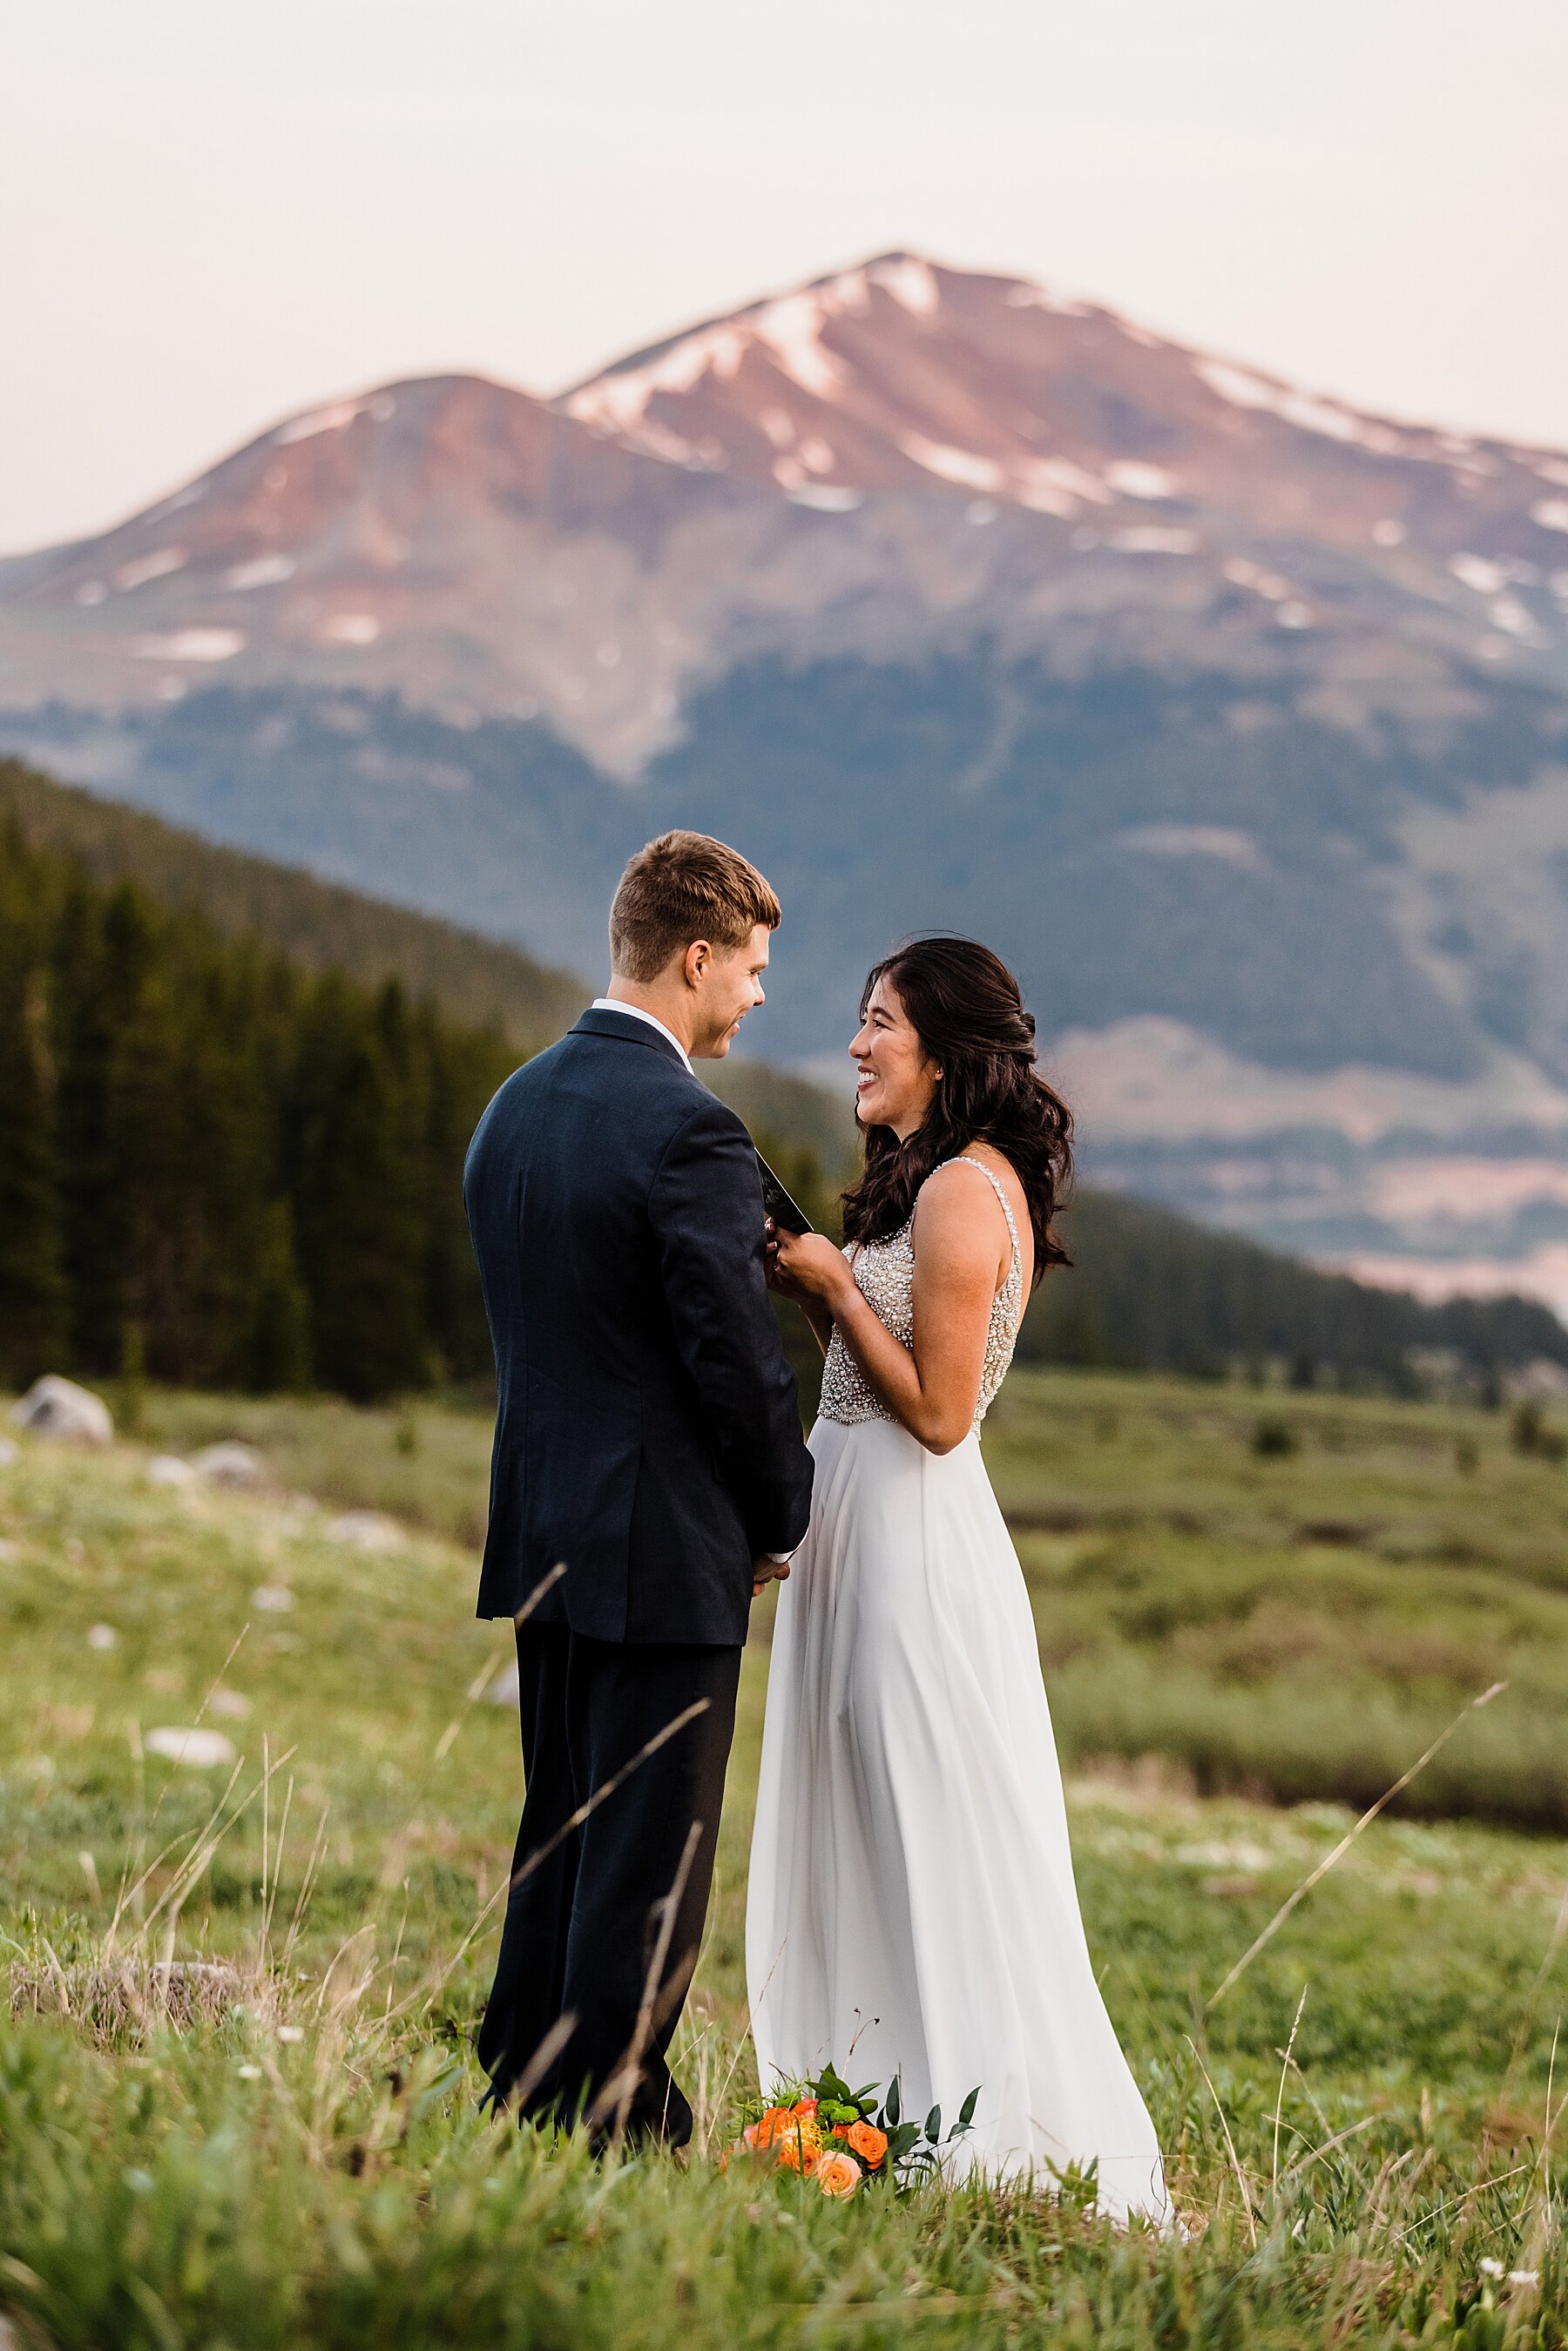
(968, 1011)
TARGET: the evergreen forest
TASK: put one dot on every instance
(218, 1166)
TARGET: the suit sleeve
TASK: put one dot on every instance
(705, 1207)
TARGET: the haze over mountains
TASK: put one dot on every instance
(1237, 718)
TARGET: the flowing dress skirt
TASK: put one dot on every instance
(912, 1898)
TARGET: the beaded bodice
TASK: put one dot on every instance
(884, 1276)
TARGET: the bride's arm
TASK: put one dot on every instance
(957, 1261)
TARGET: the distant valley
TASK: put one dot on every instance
(1237, 718)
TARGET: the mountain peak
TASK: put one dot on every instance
(905, 374)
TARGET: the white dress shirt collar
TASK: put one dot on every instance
(635, 1011)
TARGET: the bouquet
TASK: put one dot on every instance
(824, 2131)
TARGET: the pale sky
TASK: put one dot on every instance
(213, 212)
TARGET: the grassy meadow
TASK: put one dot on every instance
(236, 2092)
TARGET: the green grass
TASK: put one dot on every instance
(1295, 1626)
(301, 2163)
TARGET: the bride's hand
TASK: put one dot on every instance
(805, 1266)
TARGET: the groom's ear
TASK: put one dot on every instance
(698, 956)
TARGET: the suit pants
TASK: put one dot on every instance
(582, 1924)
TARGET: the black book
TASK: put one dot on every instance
(785, 1213)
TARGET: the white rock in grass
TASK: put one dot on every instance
(367, 1531)
(102, 1636)
(228, 1464)
(168, 1469)
(204, 1749)
(58, 1408)
(8, 1451)
(507, 1688)
(271, 1599)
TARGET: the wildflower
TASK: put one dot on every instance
(838, 2174)
(800, 2147)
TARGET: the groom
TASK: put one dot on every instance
(649, 1476)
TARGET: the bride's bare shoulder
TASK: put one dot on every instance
(959, 1186)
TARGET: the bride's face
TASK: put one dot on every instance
(895, 1078)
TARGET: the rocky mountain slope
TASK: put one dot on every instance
(1236, 718)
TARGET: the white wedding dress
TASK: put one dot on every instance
(912, 1908)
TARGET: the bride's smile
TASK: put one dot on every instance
(895, 1078)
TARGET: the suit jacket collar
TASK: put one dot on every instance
(628, 1028)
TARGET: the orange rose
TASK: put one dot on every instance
(869, 2144)
(838, 2174)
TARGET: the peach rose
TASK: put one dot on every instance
(838, 2174)
(869, 2144)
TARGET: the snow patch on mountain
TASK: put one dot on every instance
(334, 418)
(261, 571)
(191, 645)
(147, 568)
(792, 330)
(1306, 411)
(908, 280)
(1133, 479)
(961, 466)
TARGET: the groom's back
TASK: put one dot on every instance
(606, 1453)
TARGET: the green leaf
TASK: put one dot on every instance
(966, 2113)
(933, 2124)
(894, 2107)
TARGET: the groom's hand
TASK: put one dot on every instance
(766, 1570)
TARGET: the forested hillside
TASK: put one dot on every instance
(316, 926)
(1151, 1291)
(216, 1163)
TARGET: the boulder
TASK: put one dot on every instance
(58, 1408)
(228, 1464)
(204, 1749)
(507, 1688)
(168, 1469)
(367, 1531)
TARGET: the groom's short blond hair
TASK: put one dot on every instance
(681, 887)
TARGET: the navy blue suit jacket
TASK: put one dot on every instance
(647, 1429)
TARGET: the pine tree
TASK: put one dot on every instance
(32, 1276)
(276, 1352)
(357, 1198)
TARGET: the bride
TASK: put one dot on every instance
(911, 1894)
